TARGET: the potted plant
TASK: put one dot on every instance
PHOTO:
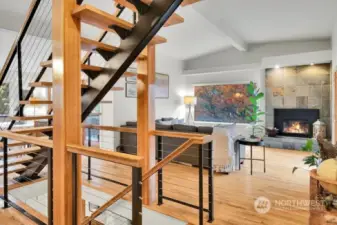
(253, 111)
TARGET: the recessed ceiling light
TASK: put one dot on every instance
(277, 66)
(312, 64)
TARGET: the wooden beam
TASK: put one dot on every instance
(110, 128)
(27, 139)
(67, 110)
(116, 157)
(146, 120)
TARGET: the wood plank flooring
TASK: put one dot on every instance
(234, 193)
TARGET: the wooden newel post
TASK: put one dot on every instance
(146, 119)
(67, 112)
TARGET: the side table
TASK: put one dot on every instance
(252, 143)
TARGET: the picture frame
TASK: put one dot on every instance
(130, 90)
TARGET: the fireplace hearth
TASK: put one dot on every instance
(295, 122)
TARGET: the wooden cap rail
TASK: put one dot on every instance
(109, 128)
(31, 130)
(181, 149)
(196, 137)
(116, 157)
(27, 139)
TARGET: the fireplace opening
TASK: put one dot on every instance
(295, 122)
(296, 127)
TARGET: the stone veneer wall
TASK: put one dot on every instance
(299, 87)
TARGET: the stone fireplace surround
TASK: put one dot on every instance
(297, 87)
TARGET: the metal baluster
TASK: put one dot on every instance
(20, 77)
(89, 158)
(210, 183)
(160, 172)
(74, 187)
(50, 187)
(5, 168)
(201, 186)
(136, 196)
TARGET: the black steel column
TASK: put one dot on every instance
(88, 76)
(20, 77)
(136, 196)
(201, 186)
(74, 187)
(89, 158)
(210, 184)
(160, 172)
(50, 187)
(5, 168)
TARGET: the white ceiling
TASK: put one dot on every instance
(214, 25)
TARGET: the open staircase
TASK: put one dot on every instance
(149, 17)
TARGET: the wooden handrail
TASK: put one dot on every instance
(197, 137)
(32, 8)
(110, 128)
(27, 139)
(181, 149)
(116, 157)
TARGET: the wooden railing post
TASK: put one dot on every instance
(146, 119)
(67, 111)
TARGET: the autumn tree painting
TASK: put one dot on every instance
(221, 103)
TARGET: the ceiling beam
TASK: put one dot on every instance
(225, 31)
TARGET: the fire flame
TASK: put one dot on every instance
(296, 127)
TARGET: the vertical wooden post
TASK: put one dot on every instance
(67, 110)
(146, 119)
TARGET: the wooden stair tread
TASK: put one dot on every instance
(87, 67)
(189, 2)
(13, 169)
(33, 130)
(98, 18)
(17, 161)
(173, 20)
(36, 102)
(48, 84)
(25, 118)
(23, 151)
(117, 89)
(92, 45)
(49, 64)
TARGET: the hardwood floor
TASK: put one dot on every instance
(234, 193)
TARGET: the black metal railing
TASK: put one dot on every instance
(13, 199)
(32, 46)
(205, 153)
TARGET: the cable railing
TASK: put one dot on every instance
(37, 205)
(22, 67)
(192, 190)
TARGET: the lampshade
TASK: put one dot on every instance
(190, 100)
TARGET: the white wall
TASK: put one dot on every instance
(125, 109)
(333, 70)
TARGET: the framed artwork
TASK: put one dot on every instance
(131, 79)
(221, 103)
(131, 90)
(162, 86)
